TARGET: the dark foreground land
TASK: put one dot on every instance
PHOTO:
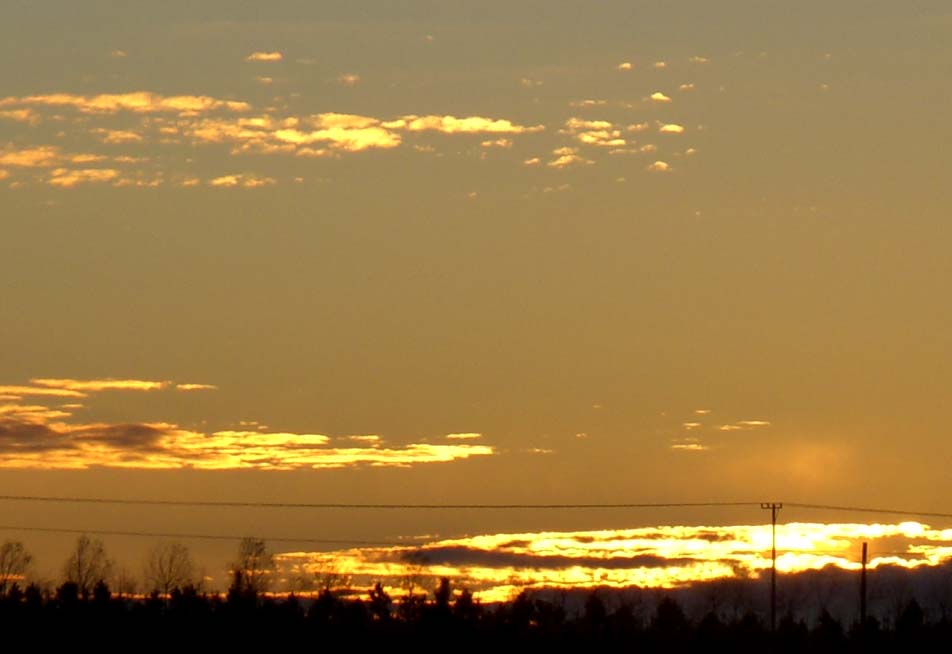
(443, 621)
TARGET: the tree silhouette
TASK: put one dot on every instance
(14, 562)
(253, 569)
(87, 565)
(169, 566)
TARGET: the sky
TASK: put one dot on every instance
(496, 252)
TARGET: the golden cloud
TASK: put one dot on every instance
(196, 387)
(40, 156)
(625, 65)
(658, 96)
(265, 56)
(68, 178)
(671, 128)
(348, 79)
(468, 125)
(243, 181)
(97, 385)
(142, 102)
(114, 136)
(660, 167)
(594, 132)
(495, 566)
(31, 441)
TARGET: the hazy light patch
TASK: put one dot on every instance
(742, 425)
(625, 65)
(699, 60)
(20, 115)
(348, 79)
(651, 557)
(497, 143)
(660, 167)
(265, 56)
(587, 104)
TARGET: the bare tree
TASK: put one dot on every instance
(169, 566)
(87, 565)
(254, 568)
(14, 562)
(125, 581)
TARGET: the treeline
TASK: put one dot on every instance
(446, 617)
(176, 611)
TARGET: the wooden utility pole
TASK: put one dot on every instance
(774, 509)
(862, 592)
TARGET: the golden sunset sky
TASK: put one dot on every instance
(470, 252)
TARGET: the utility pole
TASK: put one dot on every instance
(862, 592)
(774, 509)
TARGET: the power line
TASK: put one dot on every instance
(381, 506)
(865, 509)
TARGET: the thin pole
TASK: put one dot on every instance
(774, 509)
(862, 592)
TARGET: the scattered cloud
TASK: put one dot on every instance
(625, 65)
(117, 135)
(265, 56)
(742, 425)
(686, 87)
(567, 156)
(467, 125)
(658, 96)
(699, 60)
(464, 437)
(243, 181)
(587, 104)
(20, 115)
(532, 161)
(35, 157)
(600, 133)
(69, 177)
(497, 143)
(660, 64)
(671, 128)
(530, 83)
(348, 79)
(659, 167)
(638, 127)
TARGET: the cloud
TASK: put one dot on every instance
(588, 103)
(35, 157)
(532, 161)
(36, 444)
(118, 54)
(671, 128)
(530, 83)
(68, 178)
(567, 156)
(594, 132)
(743, 425)
(699, 60)
(463, 437)
(4, 174)
(625, 65)
(467, 125)
(658, 96)
(494, 566)
(196, 387)
(348, 79)
(114, 136)
(638, 127)
(686, 87)
(660, 64)
(97, 385)
(19, 115)
(265, 56)
(141, 102)
(660, 167)
(497, 143)
(243, 181)
(29, 391)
